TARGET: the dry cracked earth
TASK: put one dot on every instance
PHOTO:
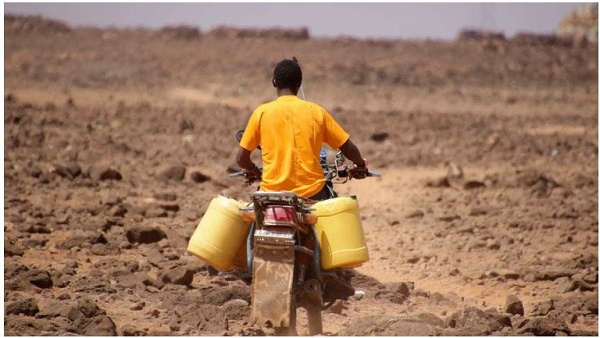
(485, 221)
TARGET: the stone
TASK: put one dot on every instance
(11, 249)
(413, 259)
(100, 249)
(542, 308)
(165, 196)
(27, 307)
(117, 211)
(415, 214)
(174, 173)
(144, 234)
(554, 274)
(130, 331)
(104, 171)
(199, 177)
(430, 318)
(178, 275)
(39, 278)
(564, 285)
(514, 306)
(170, 206)
(493, 244)
(155, 211)
(89, 308)
(472, 317)
(70, 170)
(388, 326)
(155, 257)
(82, 240)
(544, 326)
(100, 326)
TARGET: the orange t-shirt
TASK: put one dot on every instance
(290, 132)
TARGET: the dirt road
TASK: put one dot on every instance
(485, 220)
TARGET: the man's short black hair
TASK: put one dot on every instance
(287, 74)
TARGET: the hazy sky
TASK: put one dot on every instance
(390, 20)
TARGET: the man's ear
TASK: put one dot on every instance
(274, 82)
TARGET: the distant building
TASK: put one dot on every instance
(580, 25)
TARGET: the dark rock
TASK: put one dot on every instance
(39, 278)
(429, 318)
(415, 214)
(27, 307)
(144, 234)
(380, 137)
(27, 326)
(117, 211)
(35, 243)
(478, 211)
(170, 206)
(514, 306)
(553, 274)
(388, 326)
(11, 249)
(89, 308)
(100, 249)
(579, 284)
(542, 308)
(33, 228)
(155, 257)
(583, 333)
(103, 171)
(221, 295)
(591, 278)
(100, 326)
(34, 171)
(175, 173)
(591, 304)
(401, 288)
(70, 170)
(130, 331)
(155, 212)
(179, 275)
(472, 317)
(413, 259)
(544, 326)
(82, 240)
(130, 281)
(165, 196)
(564, 285)
(199, 177)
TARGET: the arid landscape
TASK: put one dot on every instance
(485, 221)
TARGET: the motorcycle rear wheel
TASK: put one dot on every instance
(289, 330)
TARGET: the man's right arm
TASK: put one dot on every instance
(353, 154)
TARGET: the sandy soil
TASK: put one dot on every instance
(115, 141)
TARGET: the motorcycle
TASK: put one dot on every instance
(283, 256)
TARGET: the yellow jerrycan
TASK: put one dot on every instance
(220, 238)
(340, 233)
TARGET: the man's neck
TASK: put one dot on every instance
(285, 91)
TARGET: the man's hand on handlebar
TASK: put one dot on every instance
(359, 171)
(252, 175)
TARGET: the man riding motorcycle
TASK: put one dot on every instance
(290, 132)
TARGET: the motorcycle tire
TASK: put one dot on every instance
(290, 330)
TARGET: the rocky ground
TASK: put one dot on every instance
(485, 221)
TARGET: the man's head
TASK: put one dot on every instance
(287, 75)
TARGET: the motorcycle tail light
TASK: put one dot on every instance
(278, 213)
(310, 218)
(248, 216)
